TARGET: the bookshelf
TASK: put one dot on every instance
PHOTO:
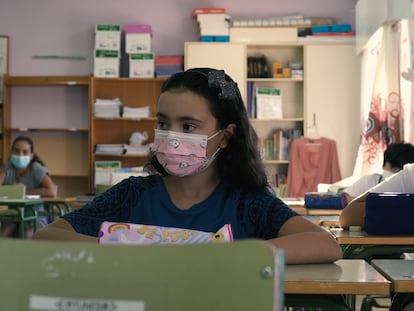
(132, 92)
(326, 96)
(53, 111)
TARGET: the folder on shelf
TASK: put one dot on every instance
(103, 170)
(268, 103)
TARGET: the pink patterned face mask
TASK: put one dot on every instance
(182, 154)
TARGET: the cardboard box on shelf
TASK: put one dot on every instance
(106, 64)
(141, 65)
(138, 38)
(108, 37)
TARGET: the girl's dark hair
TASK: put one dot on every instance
(30, 142)
(240, 162)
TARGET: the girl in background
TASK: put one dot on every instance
(25, 167)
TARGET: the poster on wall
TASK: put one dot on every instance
(4, 62)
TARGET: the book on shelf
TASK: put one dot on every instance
(277, 145)
(103, 170)
(268, 103)
(262, 147)
(281, 144)
(251, 111)
(269, 152)
(278, 181)
(257, 67)
(110, 149)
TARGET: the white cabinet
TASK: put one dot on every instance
(332, 97)
(231, 57)
(328, 93)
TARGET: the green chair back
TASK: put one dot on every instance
(16, 191)
(29, 216)
(243, 275)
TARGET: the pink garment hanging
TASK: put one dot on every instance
(311, 161)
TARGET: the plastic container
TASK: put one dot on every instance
(389, 213)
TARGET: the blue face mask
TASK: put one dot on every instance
(20, 161)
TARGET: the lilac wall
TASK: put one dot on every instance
(65, 27)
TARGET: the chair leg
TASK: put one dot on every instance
(370, 301)
(21, 223)
(366, 304)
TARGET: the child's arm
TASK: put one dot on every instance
(62, 230)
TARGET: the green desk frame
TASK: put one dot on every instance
(26, 212)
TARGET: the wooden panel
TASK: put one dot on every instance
(132, 93)
(63, 153)
(71, 186)
(53, 111)
(118, 131)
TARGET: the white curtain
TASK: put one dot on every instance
(382, 106)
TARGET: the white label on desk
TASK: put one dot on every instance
(82, 304)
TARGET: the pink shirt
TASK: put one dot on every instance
(311, 161)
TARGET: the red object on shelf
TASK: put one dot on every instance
(208, 11)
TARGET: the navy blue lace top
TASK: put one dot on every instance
(145, 200)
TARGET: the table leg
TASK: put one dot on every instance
(367, 252)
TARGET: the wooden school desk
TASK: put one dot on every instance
(362, 245)
(297, 204)
(334, 285)
(401, 274)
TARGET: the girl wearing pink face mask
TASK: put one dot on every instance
(205, 172)
(26, 168)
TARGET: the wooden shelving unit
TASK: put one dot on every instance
(53, 111)
(132, 93)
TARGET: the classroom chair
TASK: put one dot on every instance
(242, 275)
(55, 207)
(23, 217)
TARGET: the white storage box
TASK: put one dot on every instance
(214, 24)
(141, 65)
(137, 42)
(108, 37)
(106, 64)
(137, 38)
(263, 34)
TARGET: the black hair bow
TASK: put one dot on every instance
(228, 89)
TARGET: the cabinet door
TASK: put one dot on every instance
(332, 97)
(231, 57)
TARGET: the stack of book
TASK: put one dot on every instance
(136, 112)
(110, 149)
(107, 108)
(277, 146)
(168, 65)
